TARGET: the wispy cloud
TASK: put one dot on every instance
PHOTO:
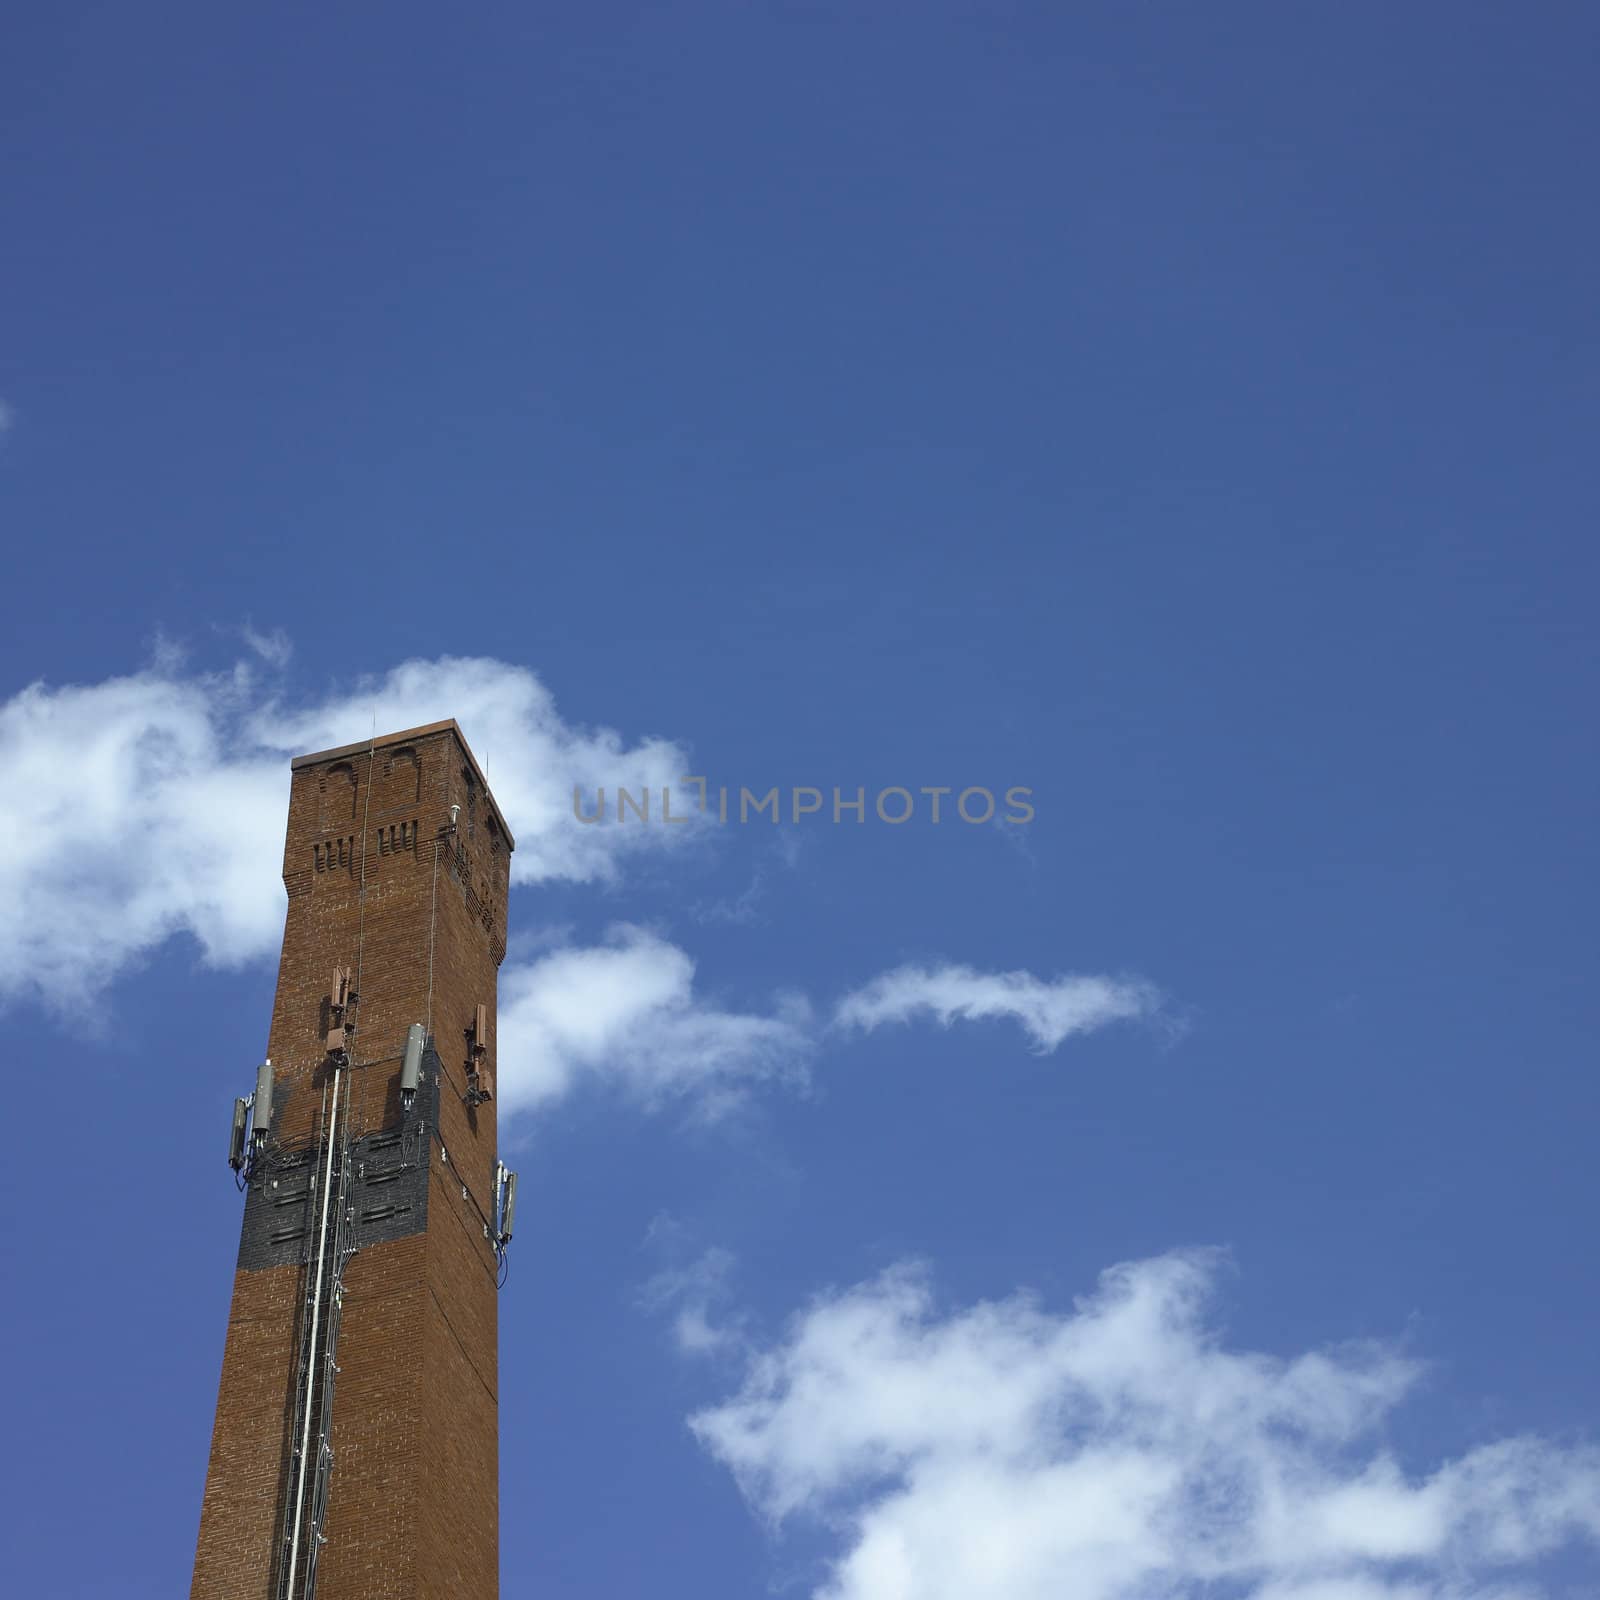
(695, 1294)
(745, 908)
(275, 648)
(1120, 1449)
(1048, 1010)
(625, 1013)
(140, 808)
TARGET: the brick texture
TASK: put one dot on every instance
(379, 882)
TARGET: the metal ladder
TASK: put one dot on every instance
(329, 1246)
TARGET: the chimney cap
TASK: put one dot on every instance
(344, 752)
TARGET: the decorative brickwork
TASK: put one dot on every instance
(380, 883)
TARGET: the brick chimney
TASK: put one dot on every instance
(355, 1450)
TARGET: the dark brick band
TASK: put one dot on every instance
(387, 1195)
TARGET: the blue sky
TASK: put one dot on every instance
(1186, 413)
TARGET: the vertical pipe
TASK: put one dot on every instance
(311, 1367)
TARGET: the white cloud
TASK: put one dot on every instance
(1047, 1010)
(274, 648)
(696, 1295)
(625, 1013)
(531, 757)
(147, 806)
(744, 909)
(1120, 1452)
